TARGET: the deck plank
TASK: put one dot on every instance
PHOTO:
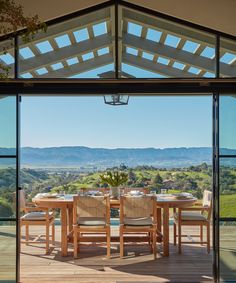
(194, 265)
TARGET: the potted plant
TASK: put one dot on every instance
(114, 179)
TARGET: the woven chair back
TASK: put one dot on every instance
(22, 200)
(207, 202)
(141, 206)
(91, 206)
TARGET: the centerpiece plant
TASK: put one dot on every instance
(114, 179)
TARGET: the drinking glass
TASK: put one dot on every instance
(163, 191)
(153, 192)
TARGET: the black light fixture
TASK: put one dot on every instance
(116, 99)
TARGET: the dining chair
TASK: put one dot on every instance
(36, 216)
(91, 214)
(198, 215)
(138, 214)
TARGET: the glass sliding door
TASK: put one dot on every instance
(8, 188)
(227, 188)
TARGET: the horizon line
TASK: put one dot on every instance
(150, 147)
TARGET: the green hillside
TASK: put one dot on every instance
(193, 179)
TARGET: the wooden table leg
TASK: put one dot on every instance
(70, 219)
(166, 230)
(159, 219)
(64, 231)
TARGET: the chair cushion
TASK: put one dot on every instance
(92, 221)
(137, 221)
(187, 215)
(36, 215)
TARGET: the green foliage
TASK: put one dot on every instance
(194, 179)
(12, 19)
(5, 208)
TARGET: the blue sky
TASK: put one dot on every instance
(146, 122)
(161, 122)
(8, 121)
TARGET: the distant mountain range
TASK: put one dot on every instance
(77, 156)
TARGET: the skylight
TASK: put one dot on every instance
(63, 41)
(26, 76)
(7, 58)
(26, 53)
(172, 40)
(103, 51)
(163, 60)
(44, 46)
(190, 46)
(100, 29)
(147, 55)
(72, 61)
(228, 58)
(194, 70)
(81, 35)
(179, 66)
(57, 66)
(208, 52)
(132, 51)
(153, 35)
(134, 29)
(88, 56)
(209, 75)
(42, 71)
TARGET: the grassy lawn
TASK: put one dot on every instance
(228, 205)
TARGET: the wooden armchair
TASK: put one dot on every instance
(199, 215)
(36, 216)
(138, 215)
(91, 214)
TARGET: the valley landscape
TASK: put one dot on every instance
(69, 169)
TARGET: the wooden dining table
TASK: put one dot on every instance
(65, 204)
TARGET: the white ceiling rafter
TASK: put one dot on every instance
(80, 67)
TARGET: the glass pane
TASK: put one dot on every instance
(7, 125)
(156, 48)
(7, 60)
(227, 58)
(228, 187)
(227, 251)
(7, 187)
(78, 48)
(7, 251)
(227, 118)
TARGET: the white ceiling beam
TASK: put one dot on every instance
(155, 67)
(80, 67)
(182, 31)
(64, 53)
(168, 26)
(176, 54)
(70, 25)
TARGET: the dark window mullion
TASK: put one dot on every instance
(8, 156)
(215, 186)
(18, 100)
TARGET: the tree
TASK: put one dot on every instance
(12, 19)
(158, 181)
(132, 178)
(5, 208)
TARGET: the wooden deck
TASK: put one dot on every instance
(194, 265)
